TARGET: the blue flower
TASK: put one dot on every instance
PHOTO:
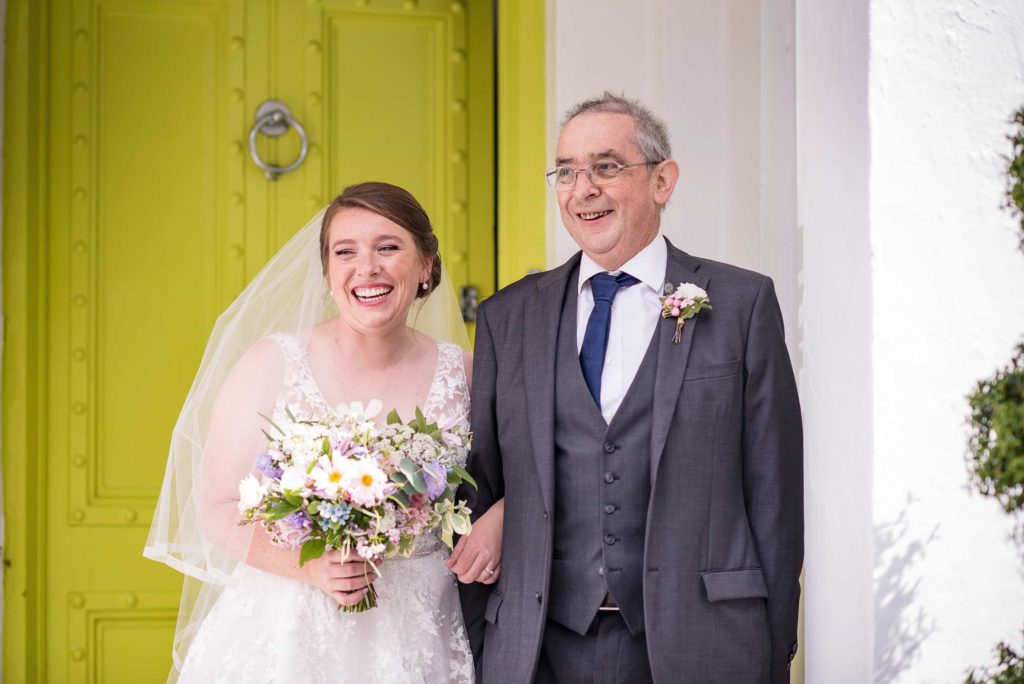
(333, 515)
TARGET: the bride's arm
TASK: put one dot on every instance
(234, 440)
(477, 556)
(480, 550)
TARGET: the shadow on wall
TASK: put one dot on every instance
(900, 630)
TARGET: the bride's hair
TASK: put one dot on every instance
(396, 205)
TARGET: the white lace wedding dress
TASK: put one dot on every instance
(268, 628)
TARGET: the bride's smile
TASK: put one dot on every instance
(371, 295)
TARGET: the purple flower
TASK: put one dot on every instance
(436, 478)
(299, 520)
(265, 464)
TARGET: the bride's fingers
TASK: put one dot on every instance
(467, 557)
(456, 553)
(355, 569)
(349, 598)
(482, 560)
(350, 584)
(490, 577)
(464, 568)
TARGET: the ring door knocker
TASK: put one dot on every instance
(273, 119)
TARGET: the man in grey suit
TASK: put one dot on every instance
(652, 482)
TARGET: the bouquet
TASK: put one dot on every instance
(343, 482)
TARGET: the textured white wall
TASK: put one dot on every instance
(947, 285)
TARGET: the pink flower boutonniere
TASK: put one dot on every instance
(683, 302)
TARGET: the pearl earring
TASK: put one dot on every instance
(423, 286)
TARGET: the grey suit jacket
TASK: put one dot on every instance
(724, 539)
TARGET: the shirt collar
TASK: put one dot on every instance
(648, 266)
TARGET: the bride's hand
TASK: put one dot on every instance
(477, 556)
(346, 579)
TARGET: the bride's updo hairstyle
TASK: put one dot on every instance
(397, 206)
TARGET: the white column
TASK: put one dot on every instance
(836, 388)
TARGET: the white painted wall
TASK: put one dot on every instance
(947, 285)
(696, 65)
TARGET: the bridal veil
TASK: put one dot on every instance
(290, 294)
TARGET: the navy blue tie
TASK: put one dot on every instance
(595, 340)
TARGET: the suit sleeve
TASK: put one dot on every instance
(773, 472)
(485, 467)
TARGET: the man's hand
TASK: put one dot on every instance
(345, 578)
(477, 556)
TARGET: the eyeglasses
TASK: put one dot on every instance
(599, 173)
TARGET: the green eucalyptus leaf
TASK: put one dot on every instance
(312, 550)
(279, 510)
(464, 474)
(414, 474)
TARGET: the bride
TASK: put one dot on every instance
(353, 308)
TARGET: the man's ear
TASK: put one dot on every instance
(665, 176)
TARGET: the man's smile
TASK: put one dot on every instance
(593, 215)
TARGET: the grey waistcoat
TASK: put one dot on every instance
(602, 488)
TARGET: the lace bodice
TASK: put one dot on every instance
(447, 401)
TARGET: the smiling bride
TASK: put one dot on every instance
(353, 308)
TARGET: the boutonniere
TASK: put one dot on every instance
(681, 303)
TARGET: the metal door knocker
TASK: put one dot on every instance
(273, 119)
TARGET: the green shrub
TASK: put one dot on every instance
(996, 444)
(1015, 172)
(1009, 670)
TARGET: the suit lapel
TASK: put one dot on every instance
(541, 318)
(672, 357)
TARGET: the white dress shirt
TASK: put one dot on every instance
(635, 314)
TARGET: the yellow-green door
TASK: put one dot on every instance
(156, 217)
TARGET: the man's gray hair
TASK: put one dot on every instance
(651, 134)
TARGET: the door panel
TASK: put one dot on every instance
(157, 218)
(135, 268)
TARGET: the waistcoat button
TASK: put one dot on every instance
(609, 508)
(609, 477)
(609, 539)
(609, 447)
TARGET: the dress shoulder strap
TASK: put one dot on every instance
(299, 392)
(448, 403)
